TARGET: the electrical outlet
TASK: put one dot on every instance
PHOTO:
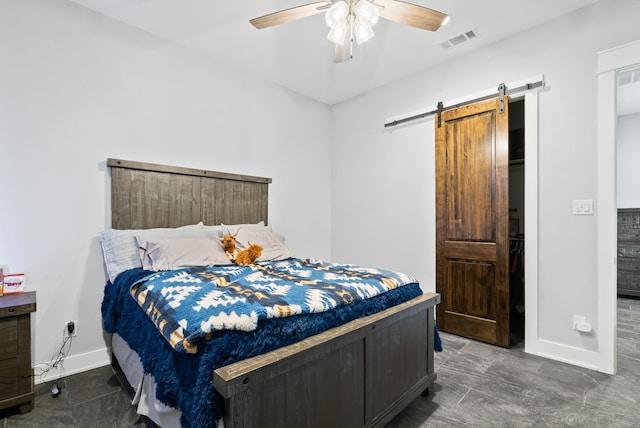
(71, 328)
(580, 324)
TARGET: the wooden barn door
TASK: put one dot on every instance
(472, 221)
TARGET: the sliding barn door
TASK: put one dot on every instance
(472, 221)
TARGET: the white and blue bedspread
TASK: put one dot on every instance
(189, 305)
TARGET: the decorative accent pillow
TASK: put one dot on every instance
(169, 254)
(272, 247)
(120, 248)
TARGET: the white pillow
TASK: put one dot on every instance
(272, 247)
(120, 248)
(169, 254)
(218, 231)
(214, 231)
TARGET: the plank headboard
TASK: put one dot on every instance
(146, 195)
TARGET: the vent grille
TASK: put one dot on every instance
(459, 39)
(627, 77)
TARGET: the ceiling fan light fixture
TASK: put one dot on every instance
(362, 31)
(355, 16)
(338, 33)
(337, 14)
(366, 12)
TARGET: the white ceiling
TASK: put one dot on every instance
(297, 54)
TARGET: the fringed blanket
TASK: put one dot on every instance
(185, 381)
(188, 305)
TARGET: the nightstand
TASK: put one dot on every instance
(16, 373)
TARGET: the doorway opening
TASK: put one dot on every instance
(516, 222)
(610, 62)
(628, 200)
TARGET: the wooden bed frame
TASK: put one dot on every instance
(361, 374)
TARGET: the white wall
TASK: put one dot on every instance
(384, 184)
(628, 154)
(77, 88)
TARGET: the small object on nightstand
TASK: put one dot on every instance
(13, 283)
(16, 389)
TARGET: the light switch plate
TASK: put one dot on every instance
(583, 207)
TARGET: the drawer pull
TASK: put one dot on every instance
(11, 310)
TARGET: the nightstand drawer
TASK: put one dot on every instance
(8, 338)
(6, 312)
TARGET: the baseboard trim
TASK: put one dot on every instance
(73, 364)
(566, 354)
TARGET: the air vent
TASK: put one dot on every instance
(459, 39)
(631, 76)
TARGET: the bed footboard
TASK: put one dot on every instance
(361, 374)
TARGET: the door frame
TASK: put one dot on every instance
(531, 121)
(610, 62)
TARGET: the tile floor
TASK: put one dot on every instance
(478, 385)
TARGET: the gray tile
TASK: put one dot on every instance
(92, 384)
(48, 411)
(478, 386)
(90, 399)
(483, 386)
(114, 410)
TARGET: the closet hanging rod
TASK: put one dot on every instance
(516, 88)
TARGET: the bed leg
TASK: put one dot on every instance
(428, 390)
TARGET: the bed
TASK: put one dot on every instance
(356, 365)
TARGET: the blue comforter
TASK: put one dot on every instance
(188, 305)
(185, 381)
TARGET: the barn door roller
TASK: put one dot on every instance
(501, 93)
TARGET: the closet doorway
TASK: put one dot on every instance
(516, 222)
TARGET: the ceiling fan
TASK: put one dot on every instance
(354, 19)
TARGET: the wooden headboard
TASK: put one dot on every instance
(146, 195)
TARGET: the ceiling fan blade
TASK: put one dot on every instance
(411, 14)
(292, 14)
